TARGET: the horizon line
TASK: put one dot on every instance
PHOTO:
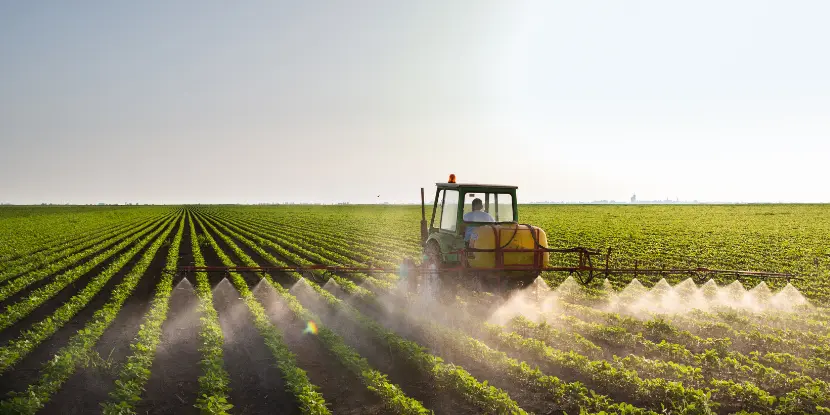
(595, 202)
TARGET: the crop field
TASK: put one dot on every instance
(91, 321)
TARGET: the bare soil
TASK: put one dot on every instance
(529, 397)
(343, 390)
(256, 384)
(50, 305)
(173, 386)
(534, 400)
(27, 370)
(88, 387)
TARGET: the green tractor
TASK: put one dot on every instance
(474, 238)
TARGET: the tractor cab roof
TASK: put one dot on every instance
(475, 186)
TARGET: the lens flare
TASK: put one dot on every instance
(310, 327)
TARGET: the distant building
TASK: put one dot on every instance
(634, 198)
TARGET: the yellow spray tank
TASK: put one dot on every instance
(509, 236)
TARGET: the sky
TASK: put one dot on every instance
(367, 101)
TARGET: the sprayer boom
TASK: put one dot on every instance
(585, 271)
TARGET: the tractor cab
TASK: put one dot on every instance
(453, 204)
(474, 236)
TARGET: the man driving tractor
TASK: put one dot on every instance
(476, 215)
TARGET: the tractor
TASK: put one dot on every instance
(498, 254)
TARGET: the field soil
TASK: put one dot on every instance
(27, 369)
(256, 384)
(89, 386)
(173, 386)
(343, 390)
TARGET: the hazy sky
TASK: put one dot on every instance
(170, 102)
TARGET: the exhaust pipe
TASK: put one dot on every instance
(423, 220)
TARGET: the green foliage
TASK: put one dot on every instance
(50, 259)
(15, 350)
(31, 234)
(136, 371)
(213, 383)
(695, 370)
(310, 400)
(375, 381)
(23, 307)
(582, 359)
(78, 352)
(487, 397)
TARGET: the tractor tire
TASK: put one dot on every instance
(432, 254)
(447, 281)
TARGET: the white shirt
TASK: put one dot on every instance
(478, 216)
(475, 216)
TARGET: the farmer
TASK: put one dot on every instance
(477, 215)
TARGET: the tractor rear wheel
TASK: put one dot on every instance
(435, 264)
(432, 256)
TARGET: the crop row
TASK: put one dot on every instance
(213, 382)
(660, 329)
(48, 253)
(752, 339)
(802, 320)
(379, 230)
(569, 396)
(724, 390)
(260, 238)
(24, 306)
(136, 371)
(644, 385)
(780, 325)
(58, 369)
(34, 229)
(336, 251)
(376, 253)
(569, 393)
(728, 393)
(40, 331)
(315, 253)
(64, 264)
(374, 380)
(62, 260)
(745, 367)
(374, 248)
(351, 247)
(309, 398)
(451, 377)
(707, 365)
(381, 238)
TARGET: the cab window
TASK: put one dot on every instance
(449, 212)
(436, 216)
(498, 205)
(502, 205)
